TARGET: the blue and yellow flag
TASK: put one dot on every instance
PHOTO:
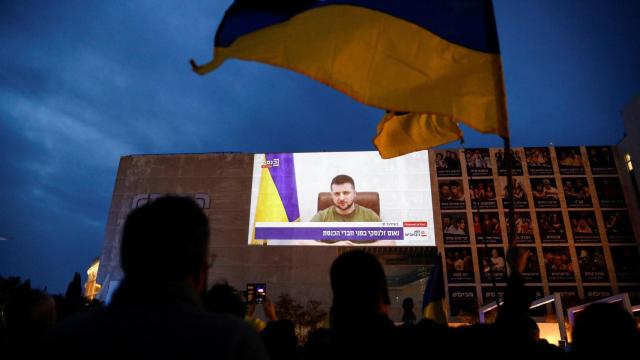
(278, 193)
(435, 58)
(433, 299)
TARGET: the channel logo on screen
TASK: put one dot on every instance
(270, 163)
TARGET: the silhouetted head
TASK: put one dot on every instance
(165, 241)
(224, 298)
(359, 287)
(604, 328)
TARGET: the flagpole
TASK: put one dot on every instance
(511, 232)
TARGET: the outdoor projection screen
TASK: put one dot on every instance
(286, 193)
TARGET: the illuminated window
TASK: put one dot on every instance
(627, 160)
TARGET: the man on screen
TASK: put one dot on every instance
(344, 208)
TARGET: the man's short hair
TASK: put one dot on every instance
(454, 183)
(343, 179)
(164, 240)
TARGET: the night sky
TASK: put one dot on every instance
(83, 83)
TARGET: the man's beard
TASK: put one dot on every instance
(344, 205)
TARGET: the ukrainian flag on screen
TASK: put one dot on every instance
(278, 193)
(417, 56)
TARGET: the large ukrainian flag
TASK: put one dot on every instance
(435, 59)
(278, 192)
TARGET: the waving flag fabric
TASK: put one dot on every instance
(433, 300)
(434, 57)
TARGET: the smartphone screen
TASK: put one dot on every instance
(260, 293)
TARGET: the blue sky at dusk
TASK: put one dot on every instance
(83, 83)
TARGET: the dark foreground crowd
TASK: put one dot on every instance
(161, 310)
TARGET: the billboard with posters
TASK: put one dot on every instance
(341, 198)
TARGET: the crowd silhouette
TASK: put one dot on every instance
(161, 310)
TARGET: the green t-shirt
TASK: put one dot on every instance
(359, 214)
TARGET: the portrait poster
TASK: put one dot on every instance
(492, 263)
(483, 194)
(601, 160)
(570, 160)
(516, 165)
(455, 228)
(447, 163)
(486, 226)
(584, 226)
(520, 197)
(451, 194)
(618, 226)
(577, 192)
(593, 267)
(551, 227)
(626, 261)
(545, 193)
(609, 192)
(558, 264)
(478, 162)
(459, 265)
(463, 301)
(538, 161)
